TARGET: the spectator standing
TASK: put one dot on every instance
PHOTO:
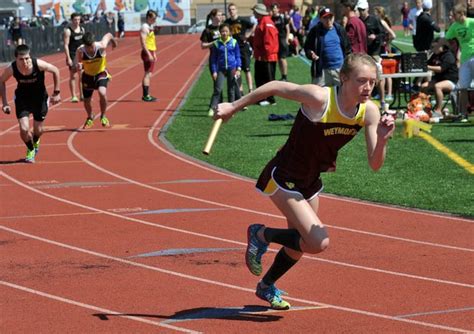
(121, 25)
(225, 63)
(386, 48)
(405, 22)
(296, 26)
(375, 36)
(72, 38)
(148, 54)
(265, 46)
(443, 64)
(463, 30)
(425, 28)
(412, 16)
(355, 28)
(282, 23)
(326, 46)
(16, 32)
(208, 36)
(241, 29)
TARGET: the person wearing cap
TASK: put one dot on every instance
(282, 23)
(425, 28)
(355, 28)
(326, 46)
(412, 16)
(265, 49)
(374, 29)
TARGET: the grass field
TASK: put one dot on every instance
(415, 174)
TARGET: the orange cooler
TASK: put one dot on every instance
(389, 66)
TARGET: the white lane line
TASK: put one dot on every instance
(207, 236)
(95, 308)
(230, 286)
(455, 310)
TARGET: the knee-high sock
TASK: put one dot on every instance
(285, 237)
(282, 263)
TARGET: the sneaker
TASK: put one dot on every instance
(74, 99)
(105, 122)
(30, 156)
(435, 114)
(255, 250)
(272, 295)
(210, 112)
(89, 123)
(389, 98)
(264, 103)
(37, 146)
(149, 98)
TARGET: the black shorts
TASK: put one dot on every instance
(271, 179)
(24, 106)
(282, 49)
(92, 82)
(245, 57)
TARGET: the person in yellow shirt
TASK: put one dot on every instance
(329, 118)
(91, 57)
(148, 43)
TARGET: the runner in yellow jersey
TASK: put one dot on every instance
(91, 57)
(147, 40)
(328, 118)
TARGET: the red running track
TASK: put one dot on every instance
(113, 232)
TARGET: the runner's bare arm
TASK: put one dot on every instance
(7, 73)
(378, 130)
(66, 38)
(312, 97)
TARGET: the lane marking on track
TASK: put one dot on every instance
(210, 237)
(185, 251)
(95, 308)
(51, 215)
(455, 310)
(231, 286)
(446, 151)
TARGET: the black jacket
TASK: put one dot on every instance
(314, 43)
(425, 28)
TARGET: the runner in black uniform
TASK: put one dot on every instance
(329, 117)
(31, 96)
(72, 40)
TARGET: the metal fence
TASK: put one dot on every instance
(43, 40)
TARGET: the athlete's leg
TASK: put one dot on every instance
(302, 215)
(102, 100)
(25, 133)
(72, 82)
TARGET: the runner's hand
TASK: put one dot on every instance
(55, 99)
(386, 125)
(225, 111)
(6, 109)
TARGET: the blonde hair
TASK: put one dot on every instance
(381, 11)
(354, 60)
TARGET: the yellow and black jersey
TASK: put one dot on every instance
(94, 63)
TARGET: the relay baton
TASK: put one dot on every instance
(212, 136)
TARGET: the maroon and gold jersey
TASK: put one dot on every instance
(312, 147)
